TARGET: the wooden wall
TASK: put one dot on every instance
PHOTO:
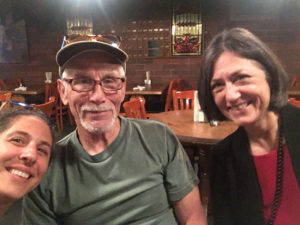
(276, 22)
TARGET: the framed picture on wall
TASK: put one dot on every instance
(13, 41)
(186, 27)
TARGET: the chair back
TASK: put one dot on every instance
(294, 102)
(51, 90)
(295, 81)
(48, 107)
(61, 109)
(183, 100)
(4, 97)
(2, 85)
(175, 84)
(135, 108)
(10, 83)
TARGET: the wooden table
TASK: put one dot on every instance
(33, 94)
(293, 91)
(153, 94)
(34, 90)
(188, 131)
(154, 89)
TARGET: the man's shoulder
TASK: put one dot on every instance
(147, 123)
(62, 155)
(149, 129)
(61, 147)
(66, 139)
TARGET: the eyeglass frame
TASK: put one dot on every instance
(23, 104)
(29, 107)
(96, 82)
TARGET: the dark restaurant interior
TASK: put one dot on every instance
(163, 38)
(142, 23)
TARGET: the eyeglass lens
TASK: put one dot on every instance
(87, 84)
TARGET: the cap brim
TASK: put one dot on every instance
(64, 54)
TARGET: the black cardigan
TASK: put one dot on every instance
(235, 191)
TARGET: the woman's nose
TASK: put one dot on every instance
(232, 93)
(29, 155)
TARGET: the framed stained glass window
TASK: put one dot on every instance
(186, 27)
(79, 26)
(79, 19)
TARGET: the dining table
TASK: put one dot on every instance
(32, 94)
(31, 90)
(293, 92)
(198, 140)
(138, 89)
(187, 130)
(154, 95)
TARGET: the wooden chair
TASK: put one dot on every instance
(61, 109)
(4, 97)
(135, 108)
(294, 102)
(295, 81)
(183, 100)
(49, 108)
(2, 85)
(10, 84)
(175, 84)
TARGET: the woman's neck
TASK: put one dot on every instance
(4, 205)
(263, 136)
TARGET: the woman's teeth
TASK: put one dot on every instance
(19, 173)
(241, 106)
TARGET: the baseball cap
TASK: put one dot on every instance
(76, 44)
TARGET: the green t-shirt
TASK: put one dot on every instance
(13, 215)
(133, 181)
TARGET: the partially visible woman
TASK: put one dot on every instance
(25, 149)
(255, 173)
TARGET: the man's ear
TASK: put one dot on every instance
(62, 91)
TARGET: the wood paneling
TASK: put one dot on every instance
(277, 23)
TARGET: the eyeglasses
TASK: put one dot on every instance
(111, 39)
(27, 106)
(84, 84)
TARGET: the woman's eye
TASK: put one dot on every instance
(16, 140)
(241, 77)
(216, 87)
(43, 151)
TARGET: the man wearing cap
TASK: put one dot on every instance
(111, 170)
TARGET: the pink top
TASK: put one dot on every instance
(289, 209)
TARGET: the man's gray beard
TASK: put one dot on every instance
(90, 128)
